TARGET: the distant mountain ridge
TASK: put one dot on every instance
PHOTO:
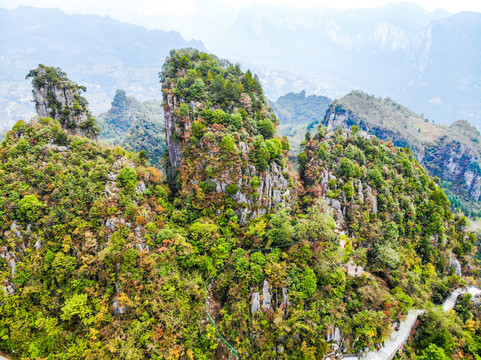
(297, 114)
(426, 60)
(135, 125)
(102, 53)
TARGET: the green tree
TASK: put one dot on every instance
(348, 189)
(266, 128)
(433, 352)
(346, 168)
(197, 89)
(308, 282)
(77, 308)
(282, 230)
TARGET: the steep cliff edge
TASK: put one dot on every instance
(56, 96)
(451, 153)
(221, 149)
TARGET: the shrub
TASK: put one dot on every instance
(227, 144)
(255, 182)
(236, 120)
(127, 178)
(197, 89)
(219, 116)
(348, 189)
(184, 110)
(198, 129)
(376, 178)
(346, 168)
(232, 189)
(262, 157)
(275, 147)
(30, 208)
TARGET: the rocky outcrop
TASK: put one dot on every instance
(339, 116)
(57, 97)
(455, 162)
(266, 296)
(269, 298)
(456, 265)
(173, 148)
(255, 302)
(117, 308)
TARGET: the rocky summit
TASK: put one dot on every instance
(57, 97)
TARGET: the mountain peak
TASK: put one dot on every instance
(56, 96)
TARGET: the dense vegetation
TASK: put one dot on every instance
(103, 258)
(90, 233)
(135, 126)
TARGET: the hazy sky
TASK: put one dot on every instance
(202, 19)
(184, 7)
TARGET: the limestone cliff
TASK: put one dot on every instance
(57, 97)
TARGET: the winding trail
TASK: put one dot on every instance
(399, 337)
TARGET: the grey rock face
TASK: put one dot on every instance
(141, 247)
(454, 263)
(285, 298)
(16, 229)
(255, 302)
(9, 289)
(121, 163)
(61, 100)
(12, 263)
(110, 223)
(117, 309)
(140, 189)
(55, 148)
(266, 296)
(172, 147)
(10, 258)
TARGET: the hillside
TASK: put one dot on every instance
(389, 208)
(451, 153)
(102, 53)
(134, 125)
(231, 254)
